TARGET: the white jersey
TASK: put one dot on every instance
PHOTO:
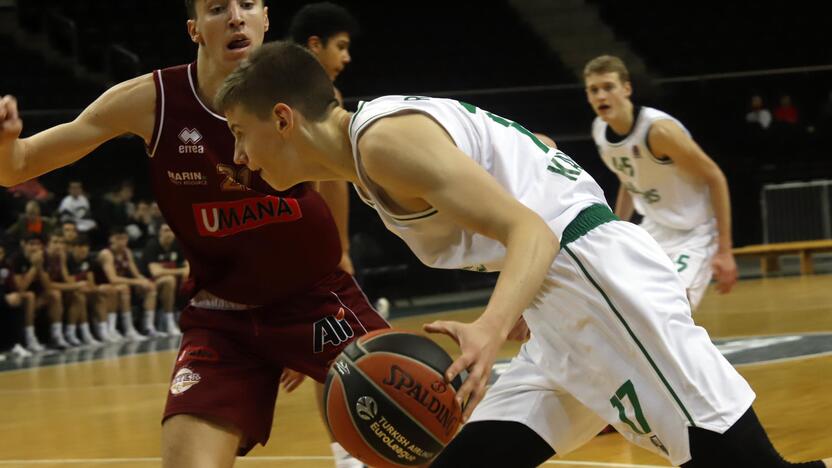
(544, 179)
(659, 190)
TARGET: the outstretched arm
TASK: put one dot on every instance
(668, 139)
(414, 161)
(125, 108)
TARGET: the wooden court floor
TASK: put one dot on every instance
(106, 413)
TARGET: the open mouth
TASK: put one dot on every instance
(239, 43)
(604, 107)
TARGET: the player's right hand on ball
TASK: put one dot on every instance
(10, 123)
(291, 379)
(479, 346)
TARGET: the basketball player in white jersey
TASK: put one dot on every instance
(665, 176)
(612, 339)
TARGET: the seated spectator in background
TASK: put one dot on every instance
(786, 112)
(76, 207)
(759, 116)
(72, 292)
(117, 207)
(166, 264)
(16, 309)
(31, 222)
(29, 269)
(119, 266)
(142, 228)
(104, 297)
(69, 231)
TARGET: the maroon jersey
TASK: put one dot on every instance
(54, 268)
(245, 242)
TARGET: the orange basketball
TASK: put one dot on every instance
(387, 402)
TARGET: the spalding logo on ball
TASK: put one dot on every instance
(386, 401)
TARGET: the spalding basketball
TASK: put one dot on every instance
(387, 402)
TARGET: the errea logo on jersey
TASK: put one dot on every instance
(190, 138)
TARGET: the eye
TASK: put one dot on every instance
(248, 5)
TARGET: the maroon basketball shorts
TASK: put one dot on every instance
(230, 361)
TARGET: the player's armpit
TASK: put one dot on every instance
(125, 108)
(667, 138)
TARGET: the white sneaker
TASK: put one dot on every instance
(34, 346)
(20, 351)
(72, 340)
(152, 332)
(382, 306)
(113, 336)
(89, 340)
(58, 342)
(172, 328)
(133, 335)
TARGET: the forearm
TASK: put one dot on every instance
(624, 204)
(336, 196)
(24, 159)
(157, 271)
(529, 255)
(25, 280)
(721, 203)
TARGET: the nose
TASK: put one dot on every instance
(240, 158)
(235, 15)
(347, 58)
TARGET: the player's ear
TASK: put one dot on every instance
(265, 18)
(196, 38)
(628, 89)
(282, 117)
(314, 44)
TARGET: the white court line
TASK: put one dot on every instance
(96, 461)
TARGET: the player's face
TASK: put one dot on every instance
(56, 245)
(334, 55)
(119, 242)
(166, 236)
(229, 29)
(81, 251)
(607, 94)
(266, 145)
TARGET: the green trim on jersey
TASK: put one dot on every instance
(587, 220)
(632, 335)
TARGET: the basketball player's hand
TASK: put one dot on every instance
(10, 123)
(291, 379)
(725, 271)
(520, 332)
(479, 345)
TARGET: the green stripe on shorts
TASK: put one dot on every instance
(632, 335)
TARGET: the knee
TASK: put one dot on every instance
(188, 441)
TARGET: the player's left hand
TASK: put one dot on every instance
(479, 345)
(291, 379)
(725, 271)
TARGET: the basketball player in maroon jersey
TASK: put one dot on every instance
(268, 293)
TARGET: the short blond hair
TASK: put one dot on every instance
(607, 64)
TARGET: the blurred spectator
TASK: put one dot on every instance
(119, 267)
(31, 222)
(15, 309)
(166, 264)
(76, 207)
(81, 265)
(69, 230)
(72, 292)
(30, 275)
(786, 112)
(142, 228)
(759, 116)
(117, 207)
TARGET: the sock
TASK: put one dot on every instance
(70, 330)
(102, 328)
(149, 320)
(56, 330)
(339, 451)
(111, 320)
(85, 331)
(30, 334)
(127, 321)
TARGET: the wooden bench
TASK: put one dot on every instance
(769, 253)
